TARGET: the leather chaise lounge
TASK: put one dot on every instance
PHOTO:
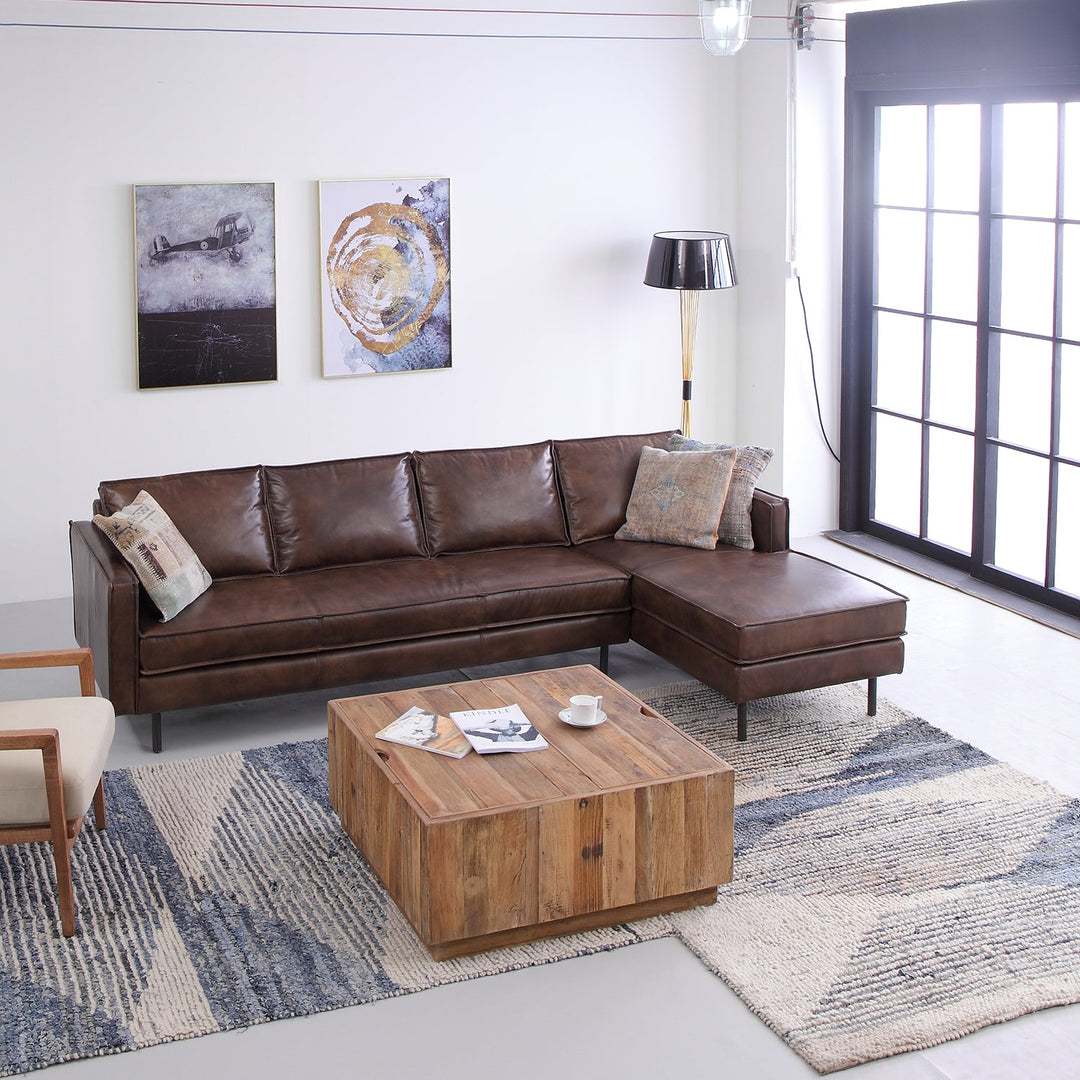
(337, 573)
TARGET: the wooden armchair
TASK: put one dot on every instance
(52, 757)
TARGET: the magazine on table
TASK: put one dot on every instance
(426, 731)
(496, 731)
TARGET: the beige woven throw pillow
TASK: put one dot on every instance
(677, 498)
(169, 570)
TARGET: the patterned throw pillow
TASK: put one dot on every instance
(169, 570)
(677, 498)
(750, 463)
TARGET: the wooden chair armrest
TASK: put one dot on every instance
(83, 659)
(30, 739)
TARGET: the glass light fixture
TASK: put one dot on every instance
(725, 25)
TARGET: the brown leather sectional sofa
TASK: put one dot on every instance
(341, 572)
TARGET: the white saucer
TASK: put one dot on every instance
(564, 716)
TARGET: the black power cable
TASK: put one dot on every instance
(813, 370)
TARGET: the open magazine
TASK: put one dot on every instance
(426, 731)
(496, 731)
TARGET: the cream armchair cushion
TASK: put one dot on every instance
(85, 726)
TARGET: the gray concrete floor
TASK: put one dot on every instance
(997, 679)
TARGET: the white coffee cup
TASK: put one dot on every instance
(584, 708)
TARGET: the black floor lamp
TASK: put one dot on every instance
(690, 262)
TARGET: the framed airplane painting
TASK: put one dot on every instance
(205, 278)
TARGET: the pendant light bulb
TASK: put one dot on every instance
(725, 25)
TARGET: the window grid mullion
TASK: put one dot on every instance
(984, 494)
(928, 295)
(1055, 371)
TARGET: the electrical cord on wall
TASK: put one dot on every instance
(813, 369)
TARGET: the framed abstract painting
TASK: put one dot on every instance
(205, 279)
(385, 269)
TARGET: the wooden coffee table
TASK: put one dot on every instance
(624, 820)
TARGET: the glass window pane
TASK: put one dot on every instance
(898, 473)
(1027, 276)
(955, 266)
(901, 259)
(1024, 372)
(1072, 161)
(1067, 563)
(1070, 282)
(898, 366)
(957, 149)
(949, 498)
(952, 374)
(1069, 441)
(1029, 159)
(901, 173)
(1020, 533)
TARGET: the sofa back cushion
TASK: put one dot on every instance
(220, 512)
(337, 513)
(480, 500)
(597, 476)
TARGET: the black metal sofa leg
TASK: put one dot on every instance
(744, 709)
(605, 651)
(743, 719)
(155, 722)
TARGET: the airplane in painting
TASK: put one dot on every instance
(229, 233)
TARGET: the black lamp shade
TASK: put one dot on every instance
(690, 260)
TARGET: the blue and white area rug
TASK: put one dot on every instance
(893, 889)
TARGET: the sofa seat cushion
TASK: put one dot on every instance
(373, 603)
(756, 606)
(396, 601)
(238, 619)
(631, 555)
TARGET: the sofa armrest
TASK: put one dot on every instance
(769, 521)
(105, 594)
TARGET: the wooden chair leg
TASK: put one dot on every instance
(65, 892)
(99, 804)
(58, 829)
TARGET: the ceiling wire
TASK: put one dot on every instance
(269, 6)
(367, 33)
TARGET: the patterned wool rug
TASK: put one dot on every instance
(894, 889)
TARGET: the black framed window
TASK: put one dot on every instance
(961, 354)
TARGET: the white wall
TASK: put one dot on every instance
(564, 157)
(762, 230)
(816, 248)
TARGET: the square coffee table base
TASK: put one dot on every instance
(575, 924)
(620, 822)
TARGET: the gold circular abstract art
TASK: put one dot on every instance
(387, 270)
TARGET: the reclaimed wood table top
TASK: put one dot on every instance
(635, 747)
